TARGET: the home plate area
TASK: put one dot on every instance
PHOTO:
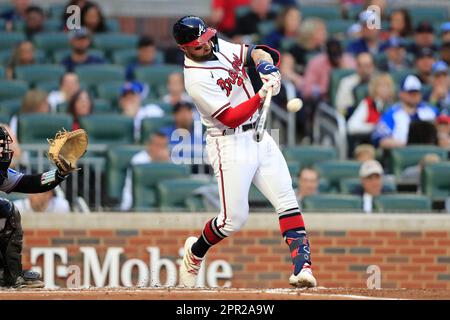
(320, 293)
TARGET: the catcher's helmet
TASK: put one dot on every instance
(6, 153)
(191, 31)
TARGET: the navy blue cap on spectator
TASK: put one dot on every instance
(131, 87)
(182, 104)
(424, 27)
(439, 67)
(445, 27)
(411, 84)
(425, 52)
(395, 42)
(79, 33)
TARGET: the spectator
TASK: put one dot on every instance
(130, 103)
(80, 40)
(393, 128)
(422, 132)
(69, 84)
(92, 18)
(156, 150)
(443, 131)
(424, 65)
(291, 81)
(175, 89)
(66, 14)
(364, 152)
(308, 183)
(146, 56)
(34, 21)
(440, 91)
(46, 202)
(369, 40)
(368, 112)
(412, 174)
(223, 15)
(35, 101)
(185, 136)
(400, 23)
(371, 176)
(287, 27)
(311, 40)
(23, 54)
(445, 52)
(396, 58)
(318, 69)
(423, 38)
(445, 32)
(17, 13)
(80, 105)
(345, 97)
(260, 11)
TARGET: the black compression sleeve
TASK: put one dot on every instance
(37, 183)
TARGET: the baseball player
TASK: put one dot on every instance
(11, 233)
(216, 79)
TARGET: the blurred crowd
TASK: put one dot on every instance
(391, 84)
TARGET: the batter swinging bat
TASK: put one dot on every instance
(261, 122)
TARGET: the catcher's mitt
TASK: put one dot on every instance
(66, 148)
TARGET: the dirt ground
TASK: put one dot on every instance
(320, 293)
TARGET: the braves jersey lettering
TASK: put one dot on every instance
(219, 84)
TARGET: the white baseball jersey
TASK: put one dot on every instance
(216, 85)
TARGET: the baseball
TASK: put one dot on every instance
(294, 105)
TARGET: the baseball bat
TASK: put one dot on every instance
(261, 124)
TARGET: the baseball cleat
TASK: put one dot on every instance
(190, 266)
(304, 279)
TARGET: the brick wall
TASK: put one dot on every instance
(259, 257)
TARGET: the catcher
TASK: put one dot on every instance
(64, 151)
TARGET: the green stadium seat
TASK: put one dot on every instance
(146, 178)
(4, 119)
(53, 25)
(2, 72)
(11, 89)
(103, 106)
(294, 169)
(8, 40)
(401, 158)
(338, 26)
(430, 13)
(124, 57)
(2, 25)
(152, 125)
(92, 75)
(47, 86)
(5, 6)
(37, 127)
(326, 13)
(39, 72)
(117, 161)
(112, 25)
(307, 156)
(405, 203)
(59, 55)
(436, 180)
(265, 27)
(10, 107)
(108, 42)
(398, 76)
(108, 128)
(335, 78)
(194, 203)
(56, 10)
(5, 56)
(350, 185)
(173, 193)
(332, 203)
(51, 41)
(109, 91)
(156, 76)
(336, 170)
(361, 92)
